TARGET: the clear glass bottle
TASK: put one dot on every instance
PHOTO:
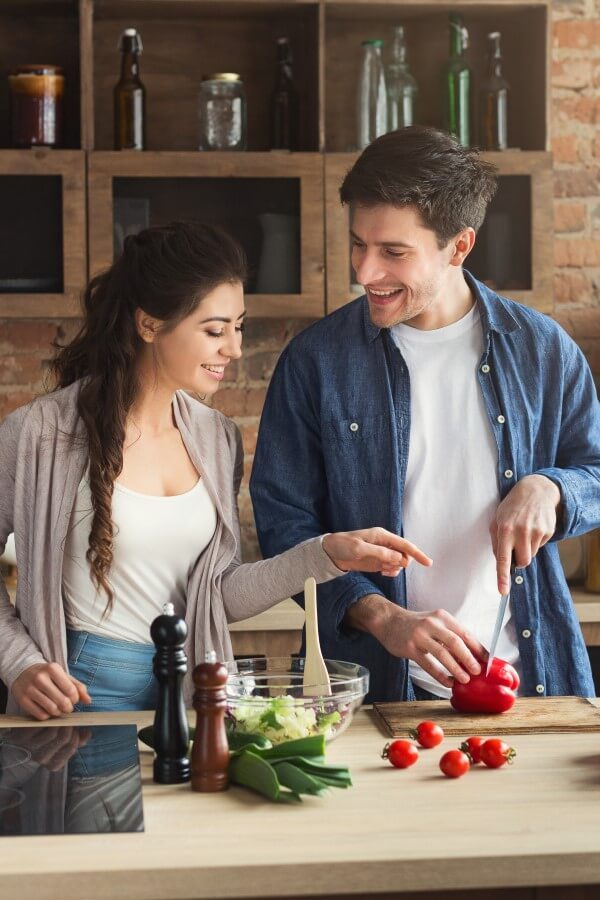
(284, 101)
(372, 99)
(493, 100)
(222, 112)
(457, 84)
(130, 96)
(401, 86)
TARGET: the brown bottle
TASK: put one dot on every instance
(284, 102)
(130, 96)
(210, 751)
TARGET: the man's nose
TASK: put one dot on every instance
(369, 269)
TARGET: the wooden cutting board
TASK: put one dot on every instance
(529, 715)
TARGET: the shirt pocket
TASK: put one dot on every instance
(358, 450)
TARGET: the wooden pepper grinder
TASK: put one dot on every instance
(210, 751)
(171, 732)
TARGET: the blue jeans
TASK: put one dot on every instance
(117, 674)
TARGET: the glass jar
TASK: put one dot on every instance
(222, 112)
(36, 106)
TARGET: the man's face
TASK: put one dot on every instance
(398, 262)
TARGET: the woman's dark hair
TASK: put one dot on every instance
(166, 271)
(450, 186)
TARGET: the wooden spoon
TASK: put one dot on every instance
(316, 677)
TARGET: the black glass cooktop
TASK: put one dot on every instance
(70, 780)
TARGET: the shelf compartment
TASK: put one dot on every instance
(230, 189)
(42, 32)
(523, 209)
(525, 46)
(42, 231)
(184, 41)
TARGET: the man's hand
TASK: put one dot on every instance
(524, 522)
(372, 550)
(421, 636)
(46, 690)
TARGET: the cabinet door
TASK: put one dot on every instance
(272, 203)
(513, 250)
(43, 263)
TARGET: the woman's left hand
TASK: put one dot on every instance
(372, 550)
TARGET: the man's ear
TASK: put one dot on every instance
(146, 326)
(462, 245)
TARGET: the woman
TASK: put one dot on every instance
(121, 487)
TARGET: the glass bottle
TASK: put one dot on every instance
(493, 100)
(457, 84)
(401, 86)
(130, 95)
(372, 100)
(284, 101)
(222, 112)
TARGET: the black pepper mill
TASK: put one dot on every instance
(171, 732)
(210, 752)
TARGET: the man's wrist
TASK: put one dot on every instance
(370, 614)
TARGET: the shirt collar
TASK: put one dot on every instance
(493, 309)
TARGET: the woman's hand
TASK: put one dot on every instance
(372, 550)
(45, 690)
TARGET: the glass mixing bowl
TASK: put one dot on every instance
(265, 695)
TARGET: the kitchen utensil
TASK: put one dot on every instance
(499, 620)
(268, 695)
(529, 715)
(316, 676)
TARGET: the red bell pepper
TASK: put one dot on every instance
(491, 693)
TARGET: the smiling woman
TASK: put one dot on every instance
(121, 487)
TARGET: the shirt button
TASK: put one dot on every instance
(509, 473)
(485, 368)
(526, 633)
(539, 688)
(501, 419)
(519, 579)
(353, 426)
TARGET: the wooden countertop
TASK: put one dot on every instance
(535, 823)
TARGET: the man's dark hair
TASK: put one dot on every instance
(450, 186)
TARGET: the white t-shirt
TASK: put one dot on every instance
(157, 541)
(451, 492)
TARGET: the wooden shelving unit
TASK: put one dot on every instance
(184, 39)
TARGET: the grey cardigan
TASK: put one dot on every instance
(43, 455)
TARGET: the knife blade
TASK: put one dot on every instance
(499, 620)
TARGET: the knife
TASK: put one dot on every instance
(499, 620)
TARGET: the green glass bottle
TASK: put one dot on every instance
(493, 100)
(457, 84)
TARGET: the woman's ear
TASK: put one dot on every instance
(146, 326)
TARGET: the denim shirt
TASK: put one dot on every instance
(332, 454)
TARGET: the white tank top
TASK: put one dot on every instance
(157, 541)
(451, 491)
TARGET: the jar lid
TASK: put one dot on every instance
(222, 76)
(375, 42)
(37, 70)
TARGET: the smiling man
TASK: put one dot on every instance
(436, 408)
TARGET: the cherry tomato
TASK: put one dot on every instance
(454, 763)
(428, 734)
(401, 754)
(495, 753)
(472, 747)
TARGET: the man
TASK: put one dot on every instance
(438, 409)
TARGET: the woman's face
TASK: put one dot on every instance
(193, 355)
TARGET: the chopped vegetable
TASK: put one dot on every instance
(283, 718)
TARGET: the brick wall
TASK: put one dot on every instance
(26, 346)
